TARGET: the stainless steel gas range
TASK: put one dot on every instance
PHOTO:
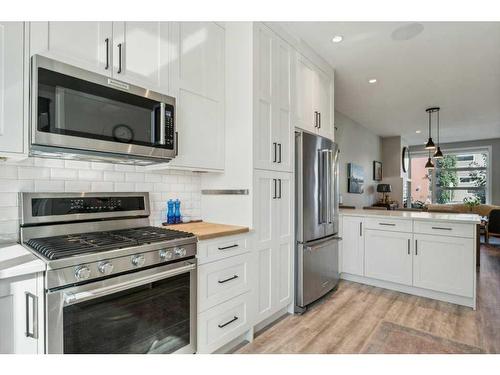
(113, 283)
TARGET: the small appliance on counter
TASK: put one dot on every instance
(113, 283)
(316, 218)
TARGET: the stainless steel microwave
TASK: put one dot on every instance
(84, 115)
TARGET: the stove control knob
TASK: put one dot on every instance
(82, 273)
(105, 267)
(166, 254)
(180, 251)
(138, 260)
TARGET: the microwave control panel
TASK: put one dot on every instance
(169, 128)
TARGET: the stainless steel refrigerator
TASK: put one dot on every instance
(316, 218)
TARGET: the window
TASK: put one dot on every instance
(460, 174)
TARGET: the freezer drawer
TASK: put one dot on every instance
(318, 270)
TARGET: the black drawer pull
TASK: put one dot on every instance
(441, 228)
(226, 280)
(227, 323)
(387, 224)
(228, 247)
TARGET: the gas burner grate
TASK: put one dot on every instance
(65, 246)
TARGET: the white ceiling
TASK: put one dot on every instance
(454, 65)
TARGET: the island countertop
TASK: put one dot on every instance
(422, 216)
(15, 260)
(206, 231)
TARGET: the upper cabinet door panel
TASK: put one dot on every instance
(200, 55)
(323, 103)
(83, 44)
(284, 116)
(304, 111)
(143, 47)
(11, 87)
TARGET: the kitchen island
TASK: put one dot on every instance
(422, 253)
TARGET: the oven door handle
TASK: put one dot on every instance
(72, 298)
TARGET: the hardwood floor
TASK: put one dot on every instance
(344, 321)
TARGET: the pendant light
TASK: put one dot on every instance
(430, 143)
(438, 154)
(429, 164)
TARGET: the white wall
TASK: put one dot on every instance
(357, 145)
(44, 175)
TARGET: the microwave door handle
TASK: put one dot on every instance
(73, 298)
(162, 123)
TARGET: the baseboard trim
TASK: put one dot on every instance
(458, 300)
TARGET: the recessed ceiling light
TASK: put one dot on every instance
(372, 80)
(337, 39)
(418, 131)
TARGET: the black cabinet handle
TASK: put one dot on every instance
(279, 153)
(228, 247)
(316, 119)
(227, 323)
(361, 229)
(408, 246)
(416, 247)
(119, 58)
(275, 150)
(226, 280)
(107, 53)
(441, 228)
(319, 120)
(387, 224)
(275, 188)
(176, 143)
(279, 196)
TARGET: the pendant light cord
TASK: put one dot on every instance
(438, 126)
(429, 124)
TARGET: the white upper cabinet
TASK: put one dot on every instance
(313, 98)
(87, 45)
(141, 54)
(305, 115)
(197, 82)
(11, 88)
(273, 130)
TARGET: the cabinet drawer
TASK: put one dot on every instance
(445, 229)
(223, 323)
(220, 248)
(222, 280)
(388, 224)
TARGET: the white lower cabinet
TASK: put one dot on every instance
(226, 283)
(443, 263)
(352, 245)
(388, 256)
(273, 241)
(222, 324)
(21, 315)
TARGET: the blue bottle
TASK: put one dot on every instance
(177, 213)
(170, 212)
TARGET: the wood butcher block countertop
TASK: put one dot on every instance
(207, 231)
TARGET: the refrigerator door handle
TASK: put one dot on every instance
(321, 241)
(321, 178)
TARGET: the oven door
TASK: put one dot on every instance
(151, 311)
(75, 109)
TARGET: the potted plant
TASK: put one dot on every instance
(472, 202)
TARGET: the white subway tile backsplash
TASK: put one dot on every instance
(102, 186)
(8, 199)
(50, 163)
(55, 175)
(31, 173)
(90, 175)
(63, 174)
(114, 176)
(77, 164)
(9, 171)
(77, 186)
(42, 186)
(134, 177)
